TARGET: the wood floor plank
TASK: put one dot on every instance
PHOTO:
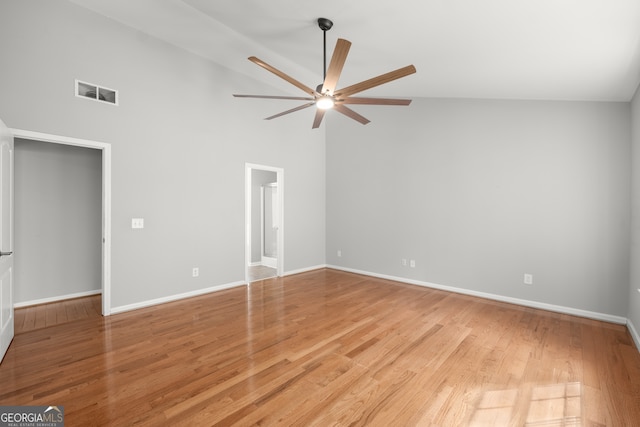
(323, 348)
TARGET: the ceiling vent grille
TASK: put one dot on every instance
(97, 93)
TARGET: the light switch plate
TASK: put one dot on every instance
(137, 222)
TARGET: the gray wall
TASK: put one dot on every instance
(634, 296)
(179, 140)
(258, 179)
(58, 226)
(481, 192)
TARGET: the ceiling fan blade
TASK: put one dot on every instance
(350, 113)
(318, 118)
(335, 66)
(297, 98)
(301, 107)
(283, 75)
(376, 81)
(374, 101)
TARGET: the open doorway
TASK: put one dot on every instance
(264, 231)
(61, 248)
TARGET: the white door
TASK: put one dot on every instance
(6, 239)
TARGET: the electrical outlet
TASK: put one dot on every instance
(412, 263)
(528, 279)
(404, 262)
(339, 253)
(195, 272)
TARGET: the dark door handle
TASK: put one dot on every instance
(6, 253)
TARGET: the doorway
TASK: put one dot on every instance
(105, 208)
(263, 219)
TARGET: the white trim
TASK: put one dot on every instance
(177, 297)
(306, 269)
(106, 199)
(56, 298)
(261, 225)
(533, 304)
(269, 261)
(634, 334)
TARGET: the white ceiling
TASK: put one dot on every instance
(511, 49)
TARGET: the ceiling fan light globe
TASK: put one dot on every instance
(325, 103)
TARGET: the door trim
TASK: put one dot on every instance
(106, 199)
(247, 216)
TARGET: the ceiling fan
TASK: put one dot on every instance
(325, 96)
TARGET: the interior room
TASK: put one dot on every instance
(455, 245)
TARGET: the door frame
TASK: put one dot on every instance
(7, 318)
(106, 199)
(247, 216)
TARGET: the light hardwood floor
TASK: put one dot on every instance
(56, 313)
(329, 348)
(260, 272)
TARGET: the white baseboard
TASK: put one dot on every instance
(303, 270)
(170, 298)
(269, 262)
(56, 298)
(533, 304)
(263, 264)
(634, 334)
(149, 303)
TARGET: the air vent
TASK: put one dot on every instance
(97, 93)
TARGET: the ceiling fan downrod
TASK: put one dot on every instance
(325, 25)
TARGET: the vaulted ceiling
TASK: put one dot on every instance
(506, 49)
